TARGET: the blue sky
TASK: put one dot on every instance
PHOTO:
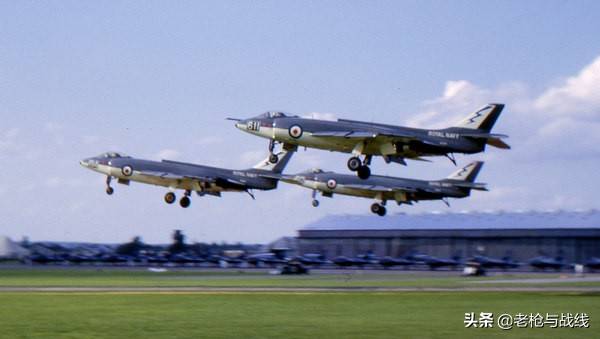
(79, 78)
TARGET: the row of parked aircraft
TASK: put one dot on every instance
(362, 139)
(278, 258)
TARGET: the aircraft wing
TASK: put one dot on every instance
(172, 176)
(380, 188)
(380, 135)
(346, 134)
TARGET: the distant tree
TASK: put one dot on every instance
(178, 245)
(131, 248)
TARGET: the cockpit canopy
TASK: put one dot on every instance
(273, 115)
(112, 155)
(313, 171)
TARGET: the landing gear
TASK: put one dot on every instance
(364, 172)
(109, 190)
(170, 198)
(185, 200)
(273, 158)
(315, 202)
(360, 167)
(378, 209)
(354, 164)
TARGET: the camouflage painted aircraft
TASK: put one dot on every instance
(393, 143)
(188, 177)
(382, 188)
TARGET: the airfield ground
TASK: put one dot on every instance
(116, 303)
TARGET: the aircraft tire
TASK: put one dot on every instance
(273, 158)
(170, 198)
(110, 190)
(382, 211)
(375, 208)
(364, 172)
(315, 203)
(185, 202)
(354, 164)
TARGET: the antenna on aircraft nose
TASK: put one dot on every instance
(233, 119)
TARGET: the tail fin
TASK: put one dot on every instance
(467, 173)
(483, 119)
(283, 158)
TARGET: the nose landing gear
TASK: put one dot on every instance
(109, 190)
(273, 158)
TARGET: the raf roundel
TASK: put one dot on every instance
(127, 170)
(331, 184)
(295, 131)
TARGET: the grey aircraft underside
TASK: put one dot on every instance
(382, 188)
(393, 143)
(188, 177)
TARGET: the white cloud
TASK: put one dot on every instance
(556, 123)
(578, 95)
(460, 98)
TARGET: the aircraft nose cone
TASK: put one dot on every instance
(83, 163)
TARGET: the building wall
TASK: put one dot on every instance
(573, 245)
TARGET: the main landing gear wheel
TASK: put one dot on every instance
(378, 209)
(110, 190)
(354, 164)
(170, 198)
(315, 203)
(185, 202)
(364, 172)
(273, 158)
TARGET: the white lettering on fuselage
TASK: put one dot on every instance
(245, 174)
(447, 135)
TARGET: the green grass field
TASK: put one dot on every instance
(234, 314)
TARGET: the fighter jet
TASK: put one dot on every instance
(544, 262)
(382, 188)
(489, 262)
(393, 143)
(434, 262)
(188, 177)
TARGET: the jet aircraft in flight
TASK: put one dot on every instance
(367, 139)
(188, 177)
(383, 188)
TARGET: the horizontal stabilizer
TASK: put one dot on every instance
(472, 185)
(496, 142)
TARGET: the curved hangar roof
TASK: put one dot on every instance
(464, 220)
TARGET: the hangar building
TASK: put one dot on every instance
(574, 235)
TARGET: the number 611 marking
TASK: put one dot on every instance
(253, 126)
